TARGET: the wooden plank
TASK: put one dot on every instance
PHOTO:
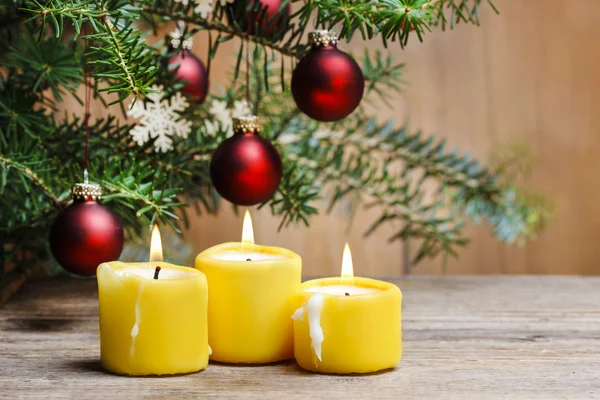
(465, 338)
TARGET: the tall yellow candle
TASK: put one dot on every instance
(153, 321)
(250, 299)
(347, 325)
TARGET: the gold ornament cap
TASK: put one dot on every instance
(322, 38)
(87, 191)
(247, 124)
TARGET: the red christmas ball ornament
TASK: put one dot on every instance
(192, 70)
(246, 169)
(271, 24)
(327, 83)
(85, 234)
(247, 12)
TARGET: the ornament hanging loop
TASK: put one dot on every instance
(88, 100)
(248, 71)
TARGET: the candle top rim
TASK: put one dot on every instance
(358, 281)
(248, 255)
(120, 268)
(338, 290)
(285, 254)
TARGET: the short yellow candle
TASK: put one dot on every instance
(347, 325)
(250, 300)
(152, 326)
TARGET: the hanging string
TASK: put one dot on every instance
(248, 71)
(88, 98)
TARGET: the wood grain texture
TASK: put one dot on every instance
(464, 338)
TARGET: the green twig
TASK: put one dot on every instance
(34, 178)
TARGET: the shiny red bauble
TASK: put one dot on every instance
(192, 70)
(327, 83)
(246, 169)
(84, 235)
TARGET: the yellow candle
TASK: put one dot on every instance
(152, 326)
(347, 325)
(249, 304)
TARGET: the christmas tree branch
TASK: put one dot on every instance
(217, 26)
(7, 163)
(122, 64)
(373, 185)
(419, 152)
(119, 54)
(448, 13)
(123, 57)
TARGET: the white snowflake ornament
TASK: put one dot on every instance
(202, 7)
(211, 127)
(241, 108)
(159, 118)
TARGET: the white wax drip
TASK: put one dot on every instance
(313, 308)
(209, 350)
(136, 326)
(298, 315)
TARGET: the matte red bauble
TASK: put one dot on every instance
(192, 70)
(85, 234)
(327, 83)
(246, 169)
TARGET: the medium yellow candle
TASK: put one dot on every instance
(152, 326)
(347, 325)
(250, 299)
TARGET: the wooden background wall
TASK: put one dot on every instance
(533, 73)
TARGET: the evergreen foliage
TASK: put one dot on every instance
(412, 178)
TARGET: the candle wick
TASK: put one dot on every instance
(248, 259)
(347, 294)
(156, 271)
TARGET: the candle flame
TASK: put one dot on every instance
(247, 231)
(347, 269)
(156, 253)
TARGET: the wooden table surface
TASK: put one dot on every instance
(464, 338)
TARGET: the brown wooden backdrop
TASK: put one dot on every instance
(533, 73)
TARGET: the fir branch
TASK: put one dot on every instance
(217, 26)
(419, 152)
(120, 55)
(7, 163)
(383, 75)
(48, 64)
(448, 13)
(294, 196)
(285, 123)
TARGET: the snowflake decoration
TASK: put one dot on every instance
(241, 109)
(203, 7)
(160, 119)
(222, 116)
